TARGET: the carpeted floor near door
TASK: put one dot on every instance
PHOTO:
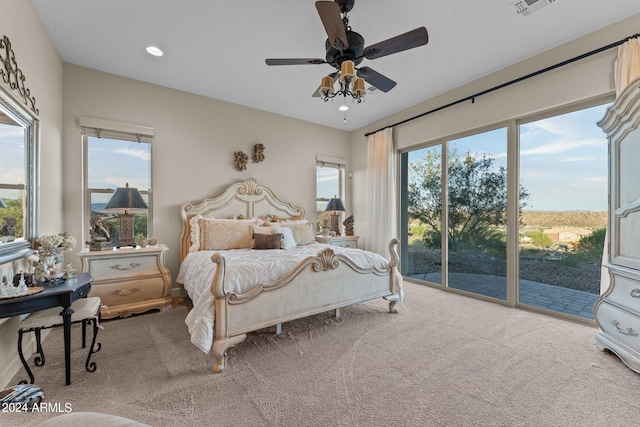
(444, 360)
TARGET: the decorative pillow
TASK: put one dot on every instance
(303, 233)
(219, 235)
(262, 229)
(276, 218)
(288, 241)
(267, 241)
(194, 225)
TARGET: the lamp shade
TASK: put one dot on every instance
(335, 205)
(126, 198)
(347, 70)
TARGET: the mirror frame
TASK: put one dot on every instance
(11, 107)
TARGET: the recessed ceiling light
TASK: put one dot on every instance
(343, 108)
(155, 51)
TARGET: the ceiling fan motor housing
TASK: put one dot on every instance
(353, 53)
(345, 5)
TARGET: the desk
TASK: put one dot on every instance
(61, 295)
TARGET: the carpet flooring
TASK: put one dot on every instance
(444, 360)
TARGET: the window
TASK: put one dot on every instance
(329, 183)
(116, 158)
(537, 211)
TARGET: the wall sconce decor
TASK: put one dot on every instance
(258, 153)
(240, 160)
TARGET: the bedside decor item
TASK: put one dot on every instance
(101, 234)
(126, 198)
(240, 160)
(258, 153)
(49, 253)
(335, 206)
(348, 225)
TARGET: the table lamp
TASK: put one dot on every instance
(126, 198)
(335, 206)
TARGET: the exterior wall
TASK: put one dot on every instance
(42, 67)
(583, 80)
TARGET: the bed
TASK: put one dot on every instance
(238, 286)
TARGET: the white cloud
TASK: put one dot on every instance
(139, 154)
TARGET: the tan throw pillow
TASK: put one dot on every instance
(220, 235)
(303, 233)
(267, 241)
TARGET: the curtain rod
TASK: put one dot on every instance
(473, 97)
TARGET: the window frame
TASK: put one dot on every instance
(334, 163)
(117, 131)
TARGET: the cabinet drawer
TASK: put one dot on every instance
(131, 291)
(117, 268)
(626, 291)
(619, 324)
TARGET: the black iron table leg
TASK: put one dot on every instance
(23, 360)
(66, 319)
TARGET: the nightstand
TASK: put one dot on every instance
(129, 280)
(342, 241)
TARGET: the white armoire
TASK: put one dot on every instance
(617, 312)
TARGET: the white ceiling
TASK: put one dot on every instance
(217, 49)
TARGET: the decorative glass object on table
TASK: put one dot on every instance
(48, 256)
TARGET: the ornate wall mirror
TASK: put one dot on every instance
(18, 177)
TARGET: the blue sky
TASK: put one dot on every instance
(113, 163)
(563, 159)
(12, 159)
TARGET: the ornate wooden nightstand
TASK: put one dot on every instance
(342, 241)
(129, 281)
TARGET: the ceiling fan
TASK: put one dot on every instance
(345, 49)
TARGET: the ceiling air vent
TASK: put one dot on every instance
(529, 7)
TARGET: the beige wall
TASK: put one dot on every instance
(583, 80)
(42, 68)
(195, 138)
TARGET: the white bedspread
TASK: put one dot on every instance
(245, 269)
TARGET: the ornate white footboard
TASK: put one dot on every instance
(319, 283)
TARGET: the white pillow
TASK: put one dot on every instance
(288, 242)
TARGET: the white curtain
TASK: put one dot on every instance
(380, 221)
(627, 66)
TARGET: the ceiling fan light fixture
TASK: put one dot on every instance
(359, 90)
(326, 88)
(347, 72)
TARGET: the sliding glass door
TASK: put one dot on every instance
(563, 164)
(516, 214)
(477, 213)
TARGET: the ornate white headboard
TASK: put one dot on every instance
(247, 198)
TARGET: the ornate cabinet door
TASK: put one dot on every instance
(617, 312)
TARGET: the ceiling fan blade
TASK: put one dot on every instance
(376, 79)
(294, 61)
(408, 40)
(329, 12)
(334, 76)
